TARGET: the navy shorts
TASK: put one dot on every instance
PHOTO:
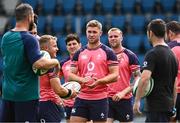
(95, 110)
(157, 117)
(67, 112)
(178, 107)
(121, 110)
(19, 111)
(50, 112)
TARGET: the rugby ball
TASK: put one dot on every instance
(72, 85)
(41, 72)
(148, 89)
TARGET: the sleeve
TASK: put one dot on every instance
(133, 62)
(149, 61)
(32, 48)
(111, 58)
(51, 74)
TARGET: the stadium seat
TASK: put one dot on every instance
(68, 6)
(58, 23)
(104, 39)
(88, 6)
(168, 5)
(100, 18)
(138, 23)
(49, 6)
(133, 42)
(146, 43)
(147, 5)
(118, 21)
(158, 16)
(12, 21)
(128, 6)
(83, 40)
(175, 17)
(41, 24)
(61, 44)
(141, 58)
(107, 5)
(33, 3)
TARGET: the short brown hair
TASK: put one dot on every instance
(114, 29)
(22, 11)
(174, 26)
(94, 23)
(158, 27)
(71, 37)
(44, 40)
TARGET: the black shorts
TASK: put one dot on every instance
(95, 110)
(178, 107)
(50, 112)
(157, 117)
(19, 111)
(121, 110)
(67, 112)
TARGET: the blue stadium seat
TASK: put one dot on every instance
(100, 18)
(158, 16)
(138, 23)
(73, 23)
(108, 5)
(104, 39)
(12, 21)
(88, 6)
(133, 42)
(175, 17)
(68, 6)
(141, 58)
(83, 40)
(33, 3)
(148, 5)
(58, 23)
(49, 6)
(146, 43)
(61, 44)
(128, 5)
(118, 21)
(168, 5)
(41, 24)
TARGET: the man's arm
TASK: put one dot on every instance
(143, 82)
(44, 63)
(111, 77)
(136, 74)
(74, 77)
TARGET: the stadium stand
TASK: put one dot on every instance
(60, 17)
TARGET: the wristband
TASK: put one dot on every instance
(68, 95)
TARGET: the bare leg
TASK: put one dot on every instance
(76, 119)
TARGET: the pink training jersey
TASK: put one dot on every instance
(128, 63)
(94, 63)
(65, 67)
(175, 47)
(46, 92)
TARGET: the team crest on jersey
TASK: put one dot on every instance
(145, 64)
(120, 58)
(90, 66)
(84, 57)
(67, 67)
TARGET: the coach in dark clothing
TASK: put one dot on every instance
(159, 64)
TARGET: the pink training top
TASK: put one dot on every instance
(175, 47)
(128, 63)
(94, 63)
(65, 67)
(46, 92)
